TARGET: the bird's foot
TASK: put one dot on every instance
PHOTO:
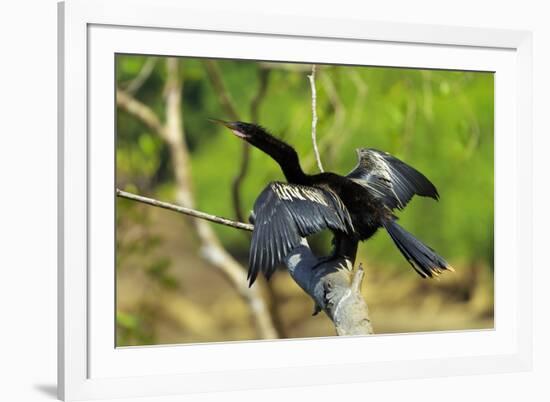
(316, 309)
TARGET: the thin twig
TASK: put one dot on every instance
(330, 143)
(174, 134)
(142, 76)
(311, 78)
(186, 211)
(263, 81)
(358, 278)
(216, 79)
(141, 111)
(238, 181)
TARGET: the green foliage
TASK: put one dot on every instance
(159, 270)
(131, 330)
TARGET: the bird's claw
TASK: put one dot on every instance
(316, 309)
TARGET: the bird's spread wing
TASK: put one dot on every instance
(283, 214)
(390, 179)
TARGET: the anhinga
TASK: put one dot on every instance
(355, 205)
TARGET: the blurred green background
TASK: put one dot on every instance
(440, 122)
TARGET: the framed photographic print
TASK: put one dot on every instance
(277, 201)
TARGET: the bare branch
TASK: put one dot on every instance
(245, 155)
(239, 179)
(311, 78)
(333, 286)
(263, 81)
(358, 278)
(330, 143)
(144, 113)
(142, 76)
(187, 211)
(216, 79)
(174, 135)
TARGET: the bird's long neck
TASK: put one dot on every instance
(284, 155)
(290, 165)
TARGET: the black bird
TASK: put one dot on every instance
(355, 205)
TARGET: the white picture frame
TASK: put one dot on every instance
(91, 32)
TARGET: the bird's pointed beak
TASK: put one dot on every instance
(227, 124)
(232, 125)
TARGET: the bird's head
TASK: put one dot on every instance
(251, 133)
(240, 129)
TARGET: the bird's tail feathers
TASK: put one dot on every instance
(423, 259)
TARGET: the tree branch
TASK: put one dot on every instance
(238, 180)
(263, 81)
(333, 286)
(134, 107)
(187, 211)
(311, 78)
(143, 75)
(330, 143)
(216, 79)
